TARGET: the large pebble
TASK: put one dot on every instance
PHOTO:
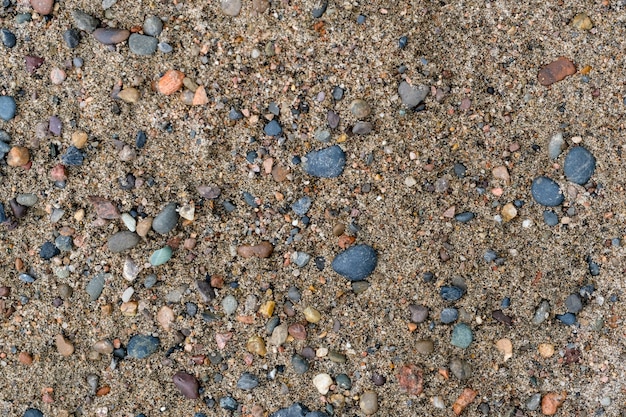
(579, 165)
(262, 250)
(84, 21)
(462, 336)
(451, 293)
(356, 263)
(322, 382)
(152, 26)
(32, 412)
(18, 156)
(187, 384)
(166, 220)
(273, 128)
(297, 410)
(7, 108)
(48, 251)
(110, 36)
(142, 44)
(247, 381)
(95, 286)
(412, 95)
(141, 346)
(302, 206)
(360, 109)
(556, 71)
(122, 241)
(231, 7)
(325, 163)
(43, 7)
(368, 402)
(546, 192)
(419, 313)
(160, 256)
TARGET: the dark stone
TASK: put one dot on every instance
(187, 384)
(19, 211)
(110, 36)
(247, 381)
(73, 156)
(141, 346)
(501, 317)
(546, 192)
(325, 163)
(48, 251)
(8, 38)
(355, 263)
(297, 410)
(229, 403)
(573, 303)
(550, 218)
(579, 165)
(449, 293)
(32, 412)
(273, 128)
(464, 217)
(567, 318)
(141, 139)
(71, 38)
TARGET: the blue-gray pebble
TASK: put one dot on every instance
(464, 217)
(48, 251)
(273, 128)
(7, 108)
(302, 206)
(153, 26)
(567, 318)
(32, 412)
(247, 381)
(462, 336)
(325, 163)
(573, 303)
(449, 315)
(73, 156)
(142, 44)
(141, 346)
(300, 364)
(356, 263)
(229, 403)
(450, 293)
(550, 218)
(94, 287)
(166, 220)
(71, 38)
(319, 8)
(8, 38)
(579, 165)
(546, 192)
(297, 410)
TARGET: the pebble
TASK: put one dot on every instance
(294, 294)
(550, 218)
(451, 293)
(231, 7)
(301, 259)
(160, 256)
(110, 36)
(343, 381)
(460, 368)
(419, 313)
(95, 286)
(322, 135)
(411, 379)
(505, 347)
(3, 214)
(166, 220)
(142, 44)
(43, 7)
(256, 345)
(64, 243)
(356, 263)
(32, 63)
(131, 96)
(579, 165)
(425, 346)
(542, 313)
(508, 212)
(300, 364)
(64, 347)
(122, 241)
(152, 26)
(337, 93)
(229, 403)
(187, 384)
(170, 82)
(273, 128)
(26, 278)
(129, 222)
(72, 157)
(150, 281)
(462, 336)
(79, 139)
(556, 71)
(325, 163)
(84, 21)
(412, 95)
(546, 350)
(464, 217)
(247, 381)
(229, 304)
(322, 383)
(568, 318)
(48, 251)
(32, 412)
(7, 108)
(262, 250)
(459, 170)
(556, 145)
(360, 109)
(573, 303)
(448, 315)
(27, 199)
(18, 210)
(302, 206)
(368, 403)
(546, 192)
(402, 42)
(141, 346)
(103, 346)
(312, 315)
(362, 128)
(319, 8)
(141, 139)
(107, 4)
(8, 38)
(551, 402)
(582, 22)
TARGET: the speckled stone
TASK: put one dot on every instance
(325, 163)
(141, 346)
(462, 336)
(579, 165)
(122, 241)
(142, 44)
(166, 220)
(546, 192)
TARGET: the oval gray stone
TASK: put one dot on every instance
(142, 44)
(356, 263)
(141, 346)
(546, 192)
(152, 26)
(110, 36)
(231, 7)
(166, 220)
(84, 21)
(325, 163)
(95, 286)
(412, 95)
(122, 241)
(579, 165)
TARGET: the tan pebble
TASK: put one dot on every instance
(466, 397)
(103, 346)
(279, 335)
(338, 229)
(57, 76)
(267, 165)
(200, 98)
(79, 215)
(19, 265)
(189, 244)
(25, 358)
(256, 344)
(18, 156)
(546, 350)
(267, 309)
(64, 347)
(165, 317)
(312, 315)
(129, 308)
(279, 173)
(425, 346)
(79, 139)
(129, 95)
(322, 383)
(582, 22)
(551, 402)
(170, 82)
(143, 226)
(449, 213)
(368, 403)
(262, 250)
(509, 212)
(501, 173)
(505, 346)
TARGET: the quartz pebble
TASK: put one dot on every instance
(322, 383)
(368, 403)
(556, 145)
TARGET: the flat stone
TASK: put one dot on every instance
(550, 218)
(451, 293)
(64, 347)
(579, 165)
(411, 379)
(462, 336)
(7, 108)
(84, 21)
(73, 156)
(449, 315)
(48, 251)
(412, 95)
(122, 241)
(141, 346)
(103, 346)
(71, 38)
(302, 206)
(166, 220)
(187, 384)
(582, 22)
(32, 412)
(18, 156)
(325, 163)
(160, 256)
(356, 263)
(556, 71)
(464, 217)
(231, 7)
(573, 303)
(546, 192)
(555, 146)
(110, 36)
(542, 312)
(95, 286)
(247, 381)
(300, 365)
(362, 128)
(273, 128)
(229, 304)
(425, 346)
(142, 44)
(8, 38)
(262, 250)
(297, 410)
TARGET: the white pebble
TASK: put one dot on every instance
(129, 222)
(438, 402)
(322, 382)
(410, 181)
(128, 292)
(527, 223)
(187, 212)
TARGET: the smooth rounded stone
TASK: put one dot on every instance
(231, 7)
(556, 145)
(103, 347)
(568, 318)
(359, 286)
(247, 381)
(362, 128)
(262, 250)
(71, 38)
(546, 192)
(122, 241)
(273, 128)
(322, 135)
(65, 291)
(325, 163)
(26, 278)
(462, 336)
(343, 381)
(412, 95)
(43, 7)
(110, 36)
(187, 384)
(302, 206)
(368, 403)
(160, 256)
(419, 313)
(356, 263)
(297, 410)
(459, 170)
(152, 26)
(311, 315)
(449, 315)
(573, 303)
(460, 368)
(141, 346)
(556, 71)
(27, 199)
(301, 259)
(338, 93)
(425, 346)
(533, 402)
(129, 221)
(142, 44)
(7, 108)
(300, 364)
(579, 165)
(464, 217)
(64, 243)
(229, 304)
(48, 251)
(95, 286)
(294, 294)
(451, 293)
(84, 21)
(542, 312)
(32, 412)
(319, 8)
(594, 268)
(550, 218)
(166, 220)
(322, 383)
(8, 38)
(360, 109)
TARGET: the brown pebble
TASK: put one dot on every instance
(143, 226)
(217, 281)
(102, 391)
(129, 95)
(410, 379)
(256, 344)
(165, 317)
(200, 98)
(104, 208)
(551, 402)
(18, 156)
(279, 173)
(18, 210)
(170, 82)
(5, 291)
(556, 71)
(187, 384)
(25, 358)
(424, 346)
(64, 347)
(79, 139)
(260, 6)
(338, 229)
(19, 264)
(297, 331)
(262, 250)
(43, 7)
(466, 397)
(501, 317)
(110, 36)
(103, 346)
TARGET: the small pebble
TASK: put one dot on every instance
(451, 293)
(325, 163)
(362, 128)
(542, 313)
(95, 286)
(412, 95)
(460, 368)
(262, 250)
(464, 217)
(161, 256)
(72, 157)
(273, 128)
(43, 7)
(48, 251)
(556, 145)
(360, 109)
(187, 384)
(142, 44)
(247, 381)
(551, 402)
(579, 165)
(122, 241)
(300, 364)
(301, 259)
(110, 36)
(229, 304)
(7, 108)
(582, 22)
(425, 346)
(448, 315)
(319, 8)
(142, 346)
(550, 218)
(568, 318)
(32, 412)
(231, 7)
(573, 303)
(355, 263)
(64, 347)
(302, 206)
(337, 93)
(462, 336)
(368, 403)
(311, 315)
(166, 220)
(556, 71)
(8, 38)
(546, 192)
(419, 313)
(152, 26)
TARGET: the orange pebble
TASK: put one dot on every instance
(551, 402)
(170, 82)
(466, 397)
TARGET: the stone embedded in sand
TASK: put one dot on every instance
(262, 250)
(508, 212)
(64, 347)
(582, 22)
(110, 36)
(411, 380)
(104, 208)
(466, 397)
(170, 82)
(200, 98)
(556, 71)
(551, 402)
(187, 384)
(43, 7)
(18, 156)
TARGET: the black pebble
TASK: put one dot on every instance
(8, 38)
(71, 38)
(141, 139)
(48, 251)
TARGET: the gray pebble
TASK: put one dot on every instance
(8, 38)
(174, 296)
(32, 412)
(533, 402)
(150, 281)
(546, 192)
(462, 336)
(573, 303)
(142, 44)
(460, 368)
(451, 293)
(362, 128)
(322, 135)
(71, 38)
(166, 220)
(579, 165)
(464, 217)
(27, 199)
(64, 243)
(325, 163)
(448, 315)
(48, 251)
(294, 294)
(333, 119)
(165, 47)
(356, 263)
(107, 4)
(343, 381)
(300, 364)
(73, 157)
(556, 145)
(338, 93)
(360, 109)
(141, 346)
(419, 313)
(273, 128)
(412, 95)
(152, 26)
(301, 259)
(302, 206)
(542, 312)
(122, 241)
(111, 36)
(229, 304)
(550, 218)
(231, 7)
(247, 381)
(319, 8)
(84, 21)
(95, 286)
(92, 381)
(7, 108)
